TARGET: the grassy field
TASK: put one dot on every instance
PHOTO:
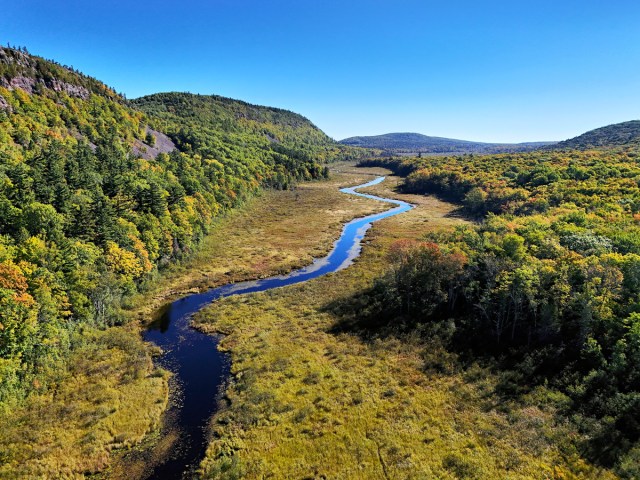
(309, 402)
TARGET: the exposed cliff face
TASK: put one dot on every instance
(30, 85)
(19, 69)
(25, 83)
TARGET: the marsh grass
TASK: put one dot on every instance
(273, 233)
(109, 398)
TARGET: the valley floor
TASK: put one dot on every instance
(109, 397)
(305, 401)
(274, 233)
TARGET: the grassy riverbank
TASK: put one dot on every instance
(273, 233)
(308, 401)
(108, 397)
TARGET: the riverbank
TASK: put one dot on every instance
(273, 233)
(200, 371)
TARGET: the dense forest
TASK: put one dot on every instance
(546, 286)
(93, 201)
(221, 127)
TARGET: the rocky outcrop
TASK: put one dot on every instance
(21, 70)
(4, 105)
(25, 83)
(28, 84)
(70, 89)
(163, 144)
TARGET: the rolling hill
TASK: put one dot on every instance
(616, 135)
(412, 143)
(219, 127)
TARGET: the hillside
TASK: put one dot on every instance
(95, 199)
(413, 143)
(229, 115)
(234, 131)
(616, 135)
(19, 69)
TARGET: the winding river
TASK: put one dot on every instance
(200, 369)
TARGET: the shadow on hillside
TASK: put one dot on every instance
(461, 213)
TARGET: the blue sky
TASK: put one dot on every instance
(504, 71)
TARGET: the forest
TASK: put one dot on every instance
(545, 286)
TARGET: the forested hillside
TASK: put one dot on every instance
(275, 144)
(547, 286)
(93, 202)
(617, 135)
(625, 134)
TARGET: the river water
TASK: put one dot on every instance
(200, 369)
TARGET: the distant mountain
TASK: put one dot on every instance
(412, 143)
(619, 134)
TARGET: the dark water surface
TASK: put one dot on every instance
(200, 369)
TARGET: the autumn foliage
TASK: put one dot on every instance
(549, 286)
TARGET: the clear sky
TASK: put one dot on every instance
(504, 71)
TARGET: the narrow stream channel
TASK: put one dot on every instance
(200, 369)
